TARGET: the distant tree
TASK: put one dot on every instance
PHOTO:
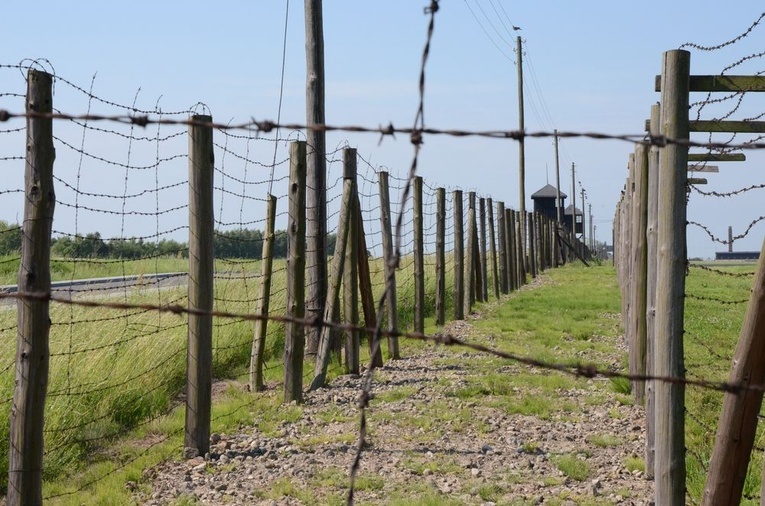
(10, 238)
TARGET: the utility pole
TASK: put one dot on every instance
(573, 200)
(589, 209)
(584, 236)
(521, 150)
(557, 179)
(316, 172)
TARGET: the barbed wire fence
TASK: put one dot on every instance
(98, 389)
(658, 202)
(227, 299)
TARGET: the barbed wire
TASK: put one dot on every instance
(415, 133)
(734, 238)
(722, 273)
(572, 368)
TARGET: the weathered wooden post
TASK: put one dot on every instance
(470, 284)
(440, 256)
(484, 256)
(201, 288)
(419, 256)
(264, 298)
(511, 245)
(390, 271)
(670, 290)
(651, 225)
(493, 248)
(503, 251)
(531, 233)
(294, 339)
(33, 330)
(737, 428)
(459, 257)
(351, 270)
(336, 276)
(365, 286)
(640, 264)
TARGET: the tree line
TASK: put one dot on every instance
(242, 243)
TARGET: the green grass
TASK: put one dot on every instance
(572, 466)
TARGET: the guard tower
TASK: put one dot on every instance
(544, 202)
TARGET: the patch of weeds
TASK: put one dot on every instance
(616, 414)
(621, 385)
(421, 494)
(333, 414)
(185, 500)
(530, 447)
(490, 492)
(572, 466)
(633, 464)
(330, 477)
(396, 394)
(625, 400)
(370, 482)
(604, 440)
(284, 487)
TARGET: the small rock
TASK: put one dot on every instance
(190, 453)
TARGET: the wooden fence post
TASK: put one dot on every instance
(32, 337)
(336, 278)
(737, 428)
(419, 257)
(470, 284)
(652, 219)
(294, 339)
(639, 263)
(493, 249)
(512, 250)
(459, 258)
(484, 256)
(670, 290)
(201, 287)
(440, 256)
(528, 222)
(503, 251)
(390, 271)
(264, 298)
(350, 276)
(365, 287)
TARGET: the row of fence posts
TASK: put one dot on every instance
(651, 263)
(548, 245)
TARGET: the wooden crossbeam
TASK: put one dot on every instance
(716, 157)
(697, 180)
(749, 127)
(700, 167)
(723, 83)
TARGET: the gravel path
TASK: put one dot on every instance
(426, 445)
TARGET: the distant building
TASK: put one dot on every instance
(544, 201)
(737, 255)
(578, 218)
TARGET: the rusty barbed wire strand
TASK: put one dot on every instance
(267, 126)
(732, 41)
(722, 273)
(727, 194)
(714, 299)
(734, 238)
(573, 368)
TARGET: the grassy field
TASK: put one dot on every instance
(116, 375)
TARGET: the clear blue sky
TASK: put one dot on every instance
(590, 66)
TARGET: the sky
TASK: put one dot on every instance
(589, 66)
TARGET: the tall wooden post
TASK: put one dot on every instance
(440, 256)
(316, 169)
(33, 329)
(484, 273)
(738, 422)
(651, 232)
(531, 234)
(493, 248)
(338, 268)
(503, 251)
(419, 257)
(639, 266)
(200, 289)
(390, 271)
(514, 260)
(470, 284)
(350, 274)
(670, 291)
(365, 287)
(294, 339)
(459, 257)
(264, 298)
